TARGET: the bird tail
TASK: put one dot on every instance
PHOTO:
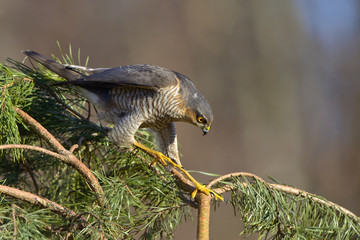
(58, 68)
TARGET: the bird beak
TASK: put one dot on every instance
(206, 130)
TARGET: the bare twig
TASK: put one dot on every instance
(13, 213)
(230, 175)
(72, 149)
(27, 168)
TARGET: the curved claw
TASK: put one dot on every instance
(159, 159)
(207, 191)
(165, 160)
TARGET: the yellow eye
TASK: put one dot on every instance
(201, 119)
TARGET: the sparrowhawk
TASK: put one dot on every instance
(140, 96)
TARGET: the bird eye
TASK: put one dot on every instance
(201, 120)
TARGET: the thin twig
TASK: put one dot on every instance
(34, 148)
(13, 213)
(72, 149)
(27, 168)
(230, 175)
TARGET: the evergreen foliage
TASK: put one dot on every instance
(275, 214)
(142, 202)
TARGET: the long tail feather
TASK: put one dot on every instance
(56, 67)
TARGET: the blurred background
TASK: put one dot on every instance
(282, 77)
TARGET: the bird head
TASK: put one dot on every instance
(203, 122)
(201, 115)
(200, 118)
(198, 110)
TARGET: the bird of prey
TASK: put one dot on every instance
(140, 96)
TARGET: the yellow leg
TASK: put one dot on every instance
(164, 160)
(158, 155)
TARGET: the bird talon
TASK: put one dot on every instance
(162, 161)
(157, 159)
(207, 191)
(153, 163)
(193, 194)
(217, 196)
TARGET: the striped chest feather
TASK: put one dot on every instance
(154, 106)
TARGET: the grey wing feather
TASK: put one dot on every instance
(146, 76)
(85, 69)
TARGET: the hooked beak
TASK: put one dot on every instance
(205, 130)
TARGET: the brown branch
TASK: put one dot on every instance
(40, 201)
(34, 148)
(185, 183)
(230, 175)
(40, 130)
(66, 156)
(203, 216)
(282, 188)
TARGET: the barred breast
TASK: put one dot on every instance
(157, 107)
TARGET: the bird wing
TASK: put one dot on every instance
(142, 76)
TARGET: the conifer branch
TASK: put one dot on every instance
(40, 201)
(282, 188)
(64, 155)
